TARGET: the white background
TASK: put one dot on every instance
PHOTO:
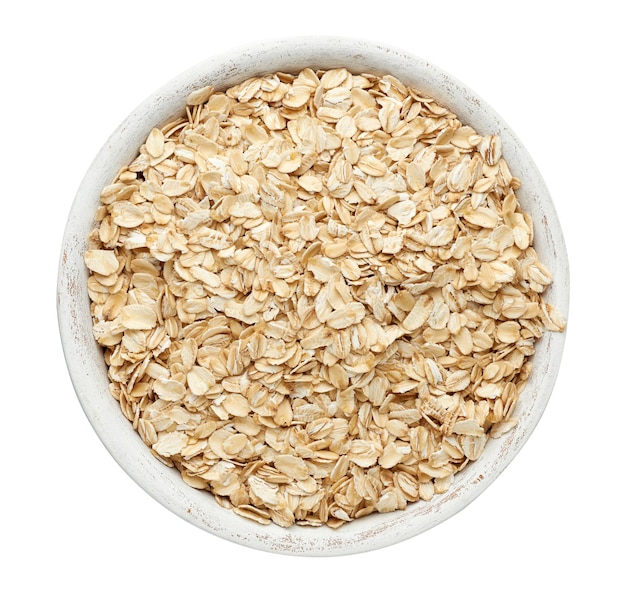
(71, 518)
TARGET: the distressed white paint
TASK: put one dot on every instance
(84, 357)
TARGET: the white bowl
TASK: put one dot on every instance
(84, 356)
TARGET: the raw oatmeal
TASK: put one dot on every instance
(317, 295)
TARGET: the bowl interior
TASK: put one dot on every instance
(84, 357)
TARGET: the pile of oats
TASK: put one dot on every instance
(317, 295)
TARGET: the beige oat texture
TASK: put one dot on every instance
(317, 295)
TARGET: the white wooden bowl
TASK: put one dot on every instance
(85, 359)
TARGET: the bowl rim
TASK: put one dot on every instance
(87, 369)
